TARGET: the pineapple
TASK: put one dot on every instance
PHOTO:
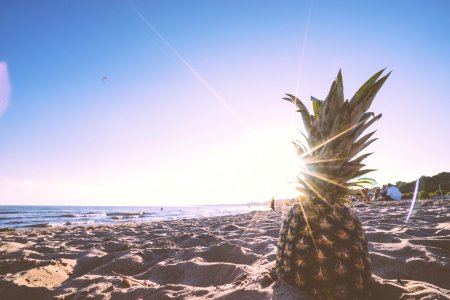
(322, 247)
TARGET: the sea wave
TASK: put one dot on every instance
(56, 224)
(67, 216)
(7, 218)
(43, 225)
(94, 215)
(14, 222)
(125, 214)
(37, 225)
(82, 215)
(79, 223)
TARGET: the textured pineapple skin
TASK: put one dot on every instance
(338, 265)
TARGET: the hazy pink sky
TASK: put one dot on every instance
(176, 102)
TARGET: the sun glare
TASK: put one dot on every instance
(255, 168)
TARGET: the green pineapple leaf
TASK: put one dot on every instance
(303, 111)
(317, 106)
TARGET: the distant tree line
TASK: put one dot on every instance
(429, 187)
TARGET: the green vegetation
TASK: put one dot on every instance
(434, 194)
(407, 196)
(423, 195)
(428, 184)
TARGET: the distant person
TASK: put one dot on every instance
(383, 193)
(393, 192)
(365, 195)
(272, 204)
(376, 194)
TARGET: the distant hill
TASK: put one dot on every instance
(428, 184)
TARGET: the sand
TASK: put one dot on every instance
(228, 257)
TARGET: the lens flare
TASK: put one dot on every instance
(5, 87)
(321, 177)
(317, 193)
(330, 140)
(302, 57)
(190, 67)
(307, 224)
(413, 201)
(311, 161)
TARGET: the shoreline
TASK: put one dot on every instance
(131, 223)
(32, 217)
(139, 216)
(225, 257)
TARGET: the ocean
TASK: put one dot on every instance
(28, 217)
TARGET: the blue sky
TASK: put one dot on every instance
(205, 124)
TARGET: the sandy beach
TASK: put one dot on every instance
(227, 257)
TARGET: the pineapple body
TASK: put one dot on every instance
(322, 248)
(325, 251)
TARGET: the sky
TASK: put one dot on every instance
(179, 102)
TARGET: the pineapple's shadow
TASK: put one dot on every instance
(381, 289)
(285, 291)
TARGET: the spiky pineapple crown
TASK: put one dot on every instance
(333, 139)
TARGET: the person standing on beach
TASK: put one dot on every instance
(272, 204)
(383, 193)
(365, 195)
(376, 194)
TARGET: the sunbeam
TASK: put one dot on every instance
(189, 67)
(323, 178)
(307, 224)
(330, 139)
(317, 193)
(311, 162)
(302, 56)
